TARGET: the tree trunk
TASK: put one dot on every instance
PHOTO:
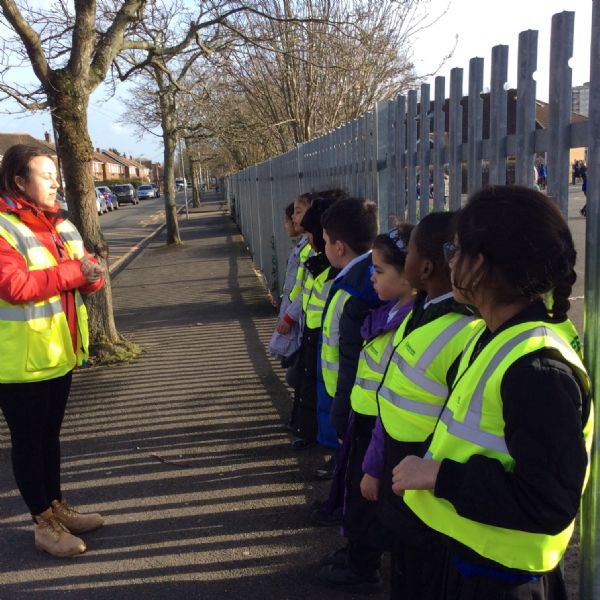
(194, 167)
(169, 127)
(69, 104)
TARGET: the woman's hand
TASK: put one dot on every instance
(369, 487)
(91, 270)
(414, 473)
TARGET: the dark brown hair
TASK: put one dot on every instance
(15, 163)
(388, 244)
(525, 241)
(352, 221)
(430, 235)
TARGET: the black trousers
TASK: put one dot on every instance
(367, 538)
(34, 414)
(549, 586)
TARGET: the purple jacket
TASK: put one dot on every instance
(376, 324)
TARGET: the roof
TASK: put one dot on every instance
(10, 139)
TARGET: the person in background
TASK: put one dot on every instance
(506, 466)
(291, 317)
(44, 270)
(284, 345)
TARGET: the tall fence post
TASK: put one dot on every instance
(525, 135)
(498, 115)
(424, 127)
(475, 124)
(559, 97)
(590, 534)
(383, 163)
(455, 138)
(411, 147)
(438, 144)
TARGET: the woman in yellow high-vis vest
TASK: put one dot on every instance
(44, 268)
(508, 460)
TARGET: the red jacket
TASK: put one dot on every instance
(18, 285)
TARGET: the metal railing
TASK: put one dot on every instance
(381, 154)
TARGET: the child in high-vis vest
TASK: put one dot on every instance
(349, 229)
(358, 562)
(505, 469)
(292, 316)
(314, 294)
(410, 398)
(284, 345)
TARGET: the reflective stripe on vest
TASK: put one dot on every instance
(317, 299)
(35, 340)
(413, 390)
(372, 362)
(472, 424)
(330, 348)
(303, 255)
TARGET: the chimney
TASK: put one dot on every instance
(47, 137)
(98, 150)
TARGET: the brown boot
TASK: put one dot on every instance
(54, 537)
(75, 521)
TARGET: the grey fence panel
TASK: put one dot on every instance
(561, 50)
(455, 136)
(382, 113)
(400, 203)
(423, 149)
(268, 264)
(498, 115)
(590, 532)
(372, 189)
(254, 215)
(438, 143)
(526, 89)
(362, 155)
(475, 125)
(411, 155)
(354, 158)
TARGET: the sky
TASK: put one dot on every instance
(479, 24)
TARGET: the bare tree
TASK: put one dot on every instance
(310, 68)
(70, 49)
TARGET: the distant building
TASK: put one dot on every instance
(580, 99)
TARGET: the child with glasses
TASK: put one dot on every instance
(505, 469)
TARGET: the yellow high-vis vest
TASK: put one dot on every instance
(35, 341)
(472, 423)
(316, 299)
(414, 389)
(301, 273)
(330, 347)
(372, 362)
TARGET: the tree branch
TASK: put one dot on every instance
(30, 40)
(15, 95)
(112, 41)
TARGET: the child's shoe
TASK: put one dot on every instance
(73, 520)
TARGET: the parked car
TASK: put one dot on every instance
(146, 191)
(111, 199)
(100, 202)
(179, 184)
(125, 192)
(156, 189)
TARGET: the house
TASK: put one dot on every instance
(100, 166)
(115, 166)
(10, 139)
